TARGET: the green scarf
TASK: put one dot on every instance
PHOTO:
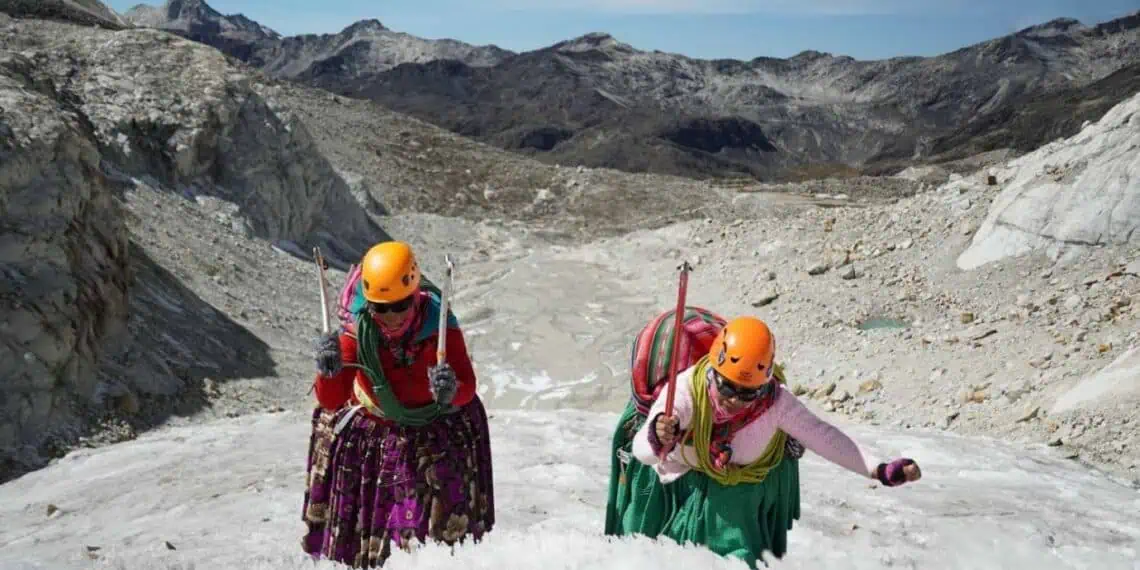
(702, 428)
(368, 356)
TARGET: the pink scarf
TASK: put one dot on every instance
(723, 416)
(726, 424)
(395, 335)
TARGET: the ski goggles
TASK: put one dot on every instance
(726, 388)
(395, 306)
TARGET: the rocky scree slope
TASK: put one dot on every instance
(881, 326)
(363, 48)
(103, 332)
(598, 102)
(1001, 303)
(396, 163)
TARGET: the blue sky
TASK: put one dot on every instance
(741, 29)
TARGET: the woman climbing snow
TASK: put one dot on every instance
(728, 485)
(400, 451)
(651, 363)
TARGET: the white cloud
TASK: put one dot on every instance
(787, 7)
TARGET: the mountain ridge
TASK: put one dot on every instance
(593, 100)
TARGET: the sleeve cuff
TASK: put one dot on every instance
(880, 473)
(654, 443)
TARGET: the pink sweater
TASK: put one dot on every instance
(787, 413)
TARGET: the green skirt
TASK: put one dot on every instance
(741, 521)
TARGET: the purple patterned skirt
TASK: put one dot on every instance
(379, 484)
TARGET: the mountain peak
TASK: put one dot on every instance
(367, 25)
(811, 54)
(190, 10)
(594, 37)
(591, 41)
(194, 15)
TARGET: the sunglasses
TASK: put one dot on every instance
(394, 307)
(729, 390)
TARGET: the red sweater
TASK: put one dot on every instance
(409, 384)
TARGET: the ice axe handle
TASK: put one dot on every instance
(326, 326)
(678, 323)
(444, 309)
(322, 279)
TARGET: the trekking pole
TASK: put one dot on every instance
(444, 306)
(678, 323)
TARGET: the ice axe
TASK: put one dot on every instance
(326, 326)
(322, 266)
(444, 307)
(678, 323)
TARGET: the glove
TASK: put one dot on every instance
(894, 473)
(663, 433)
(328, 355)
(793, 448)
(443, 384)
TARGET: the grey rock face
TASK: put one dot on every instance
(175, 111)
(87, 12)
(1080, 192)
(91, 324)
(63, 249)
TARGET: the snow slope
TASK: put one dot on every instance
(228, 495)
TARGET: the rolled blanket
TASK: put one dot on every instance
(651, 358)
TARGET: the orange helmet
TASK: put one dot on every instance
(744, 352)
(389, 272)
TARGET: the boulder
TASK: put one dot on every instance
(1117, 382)
(1074, 193)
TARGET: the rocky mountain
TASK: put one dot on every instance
(1040, 118)
(596, 101)
(198, 21)
(102, 322)
(362, 49)
(157, 200)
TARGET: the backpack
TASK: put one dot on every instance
(651, 355)
(350, 300)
